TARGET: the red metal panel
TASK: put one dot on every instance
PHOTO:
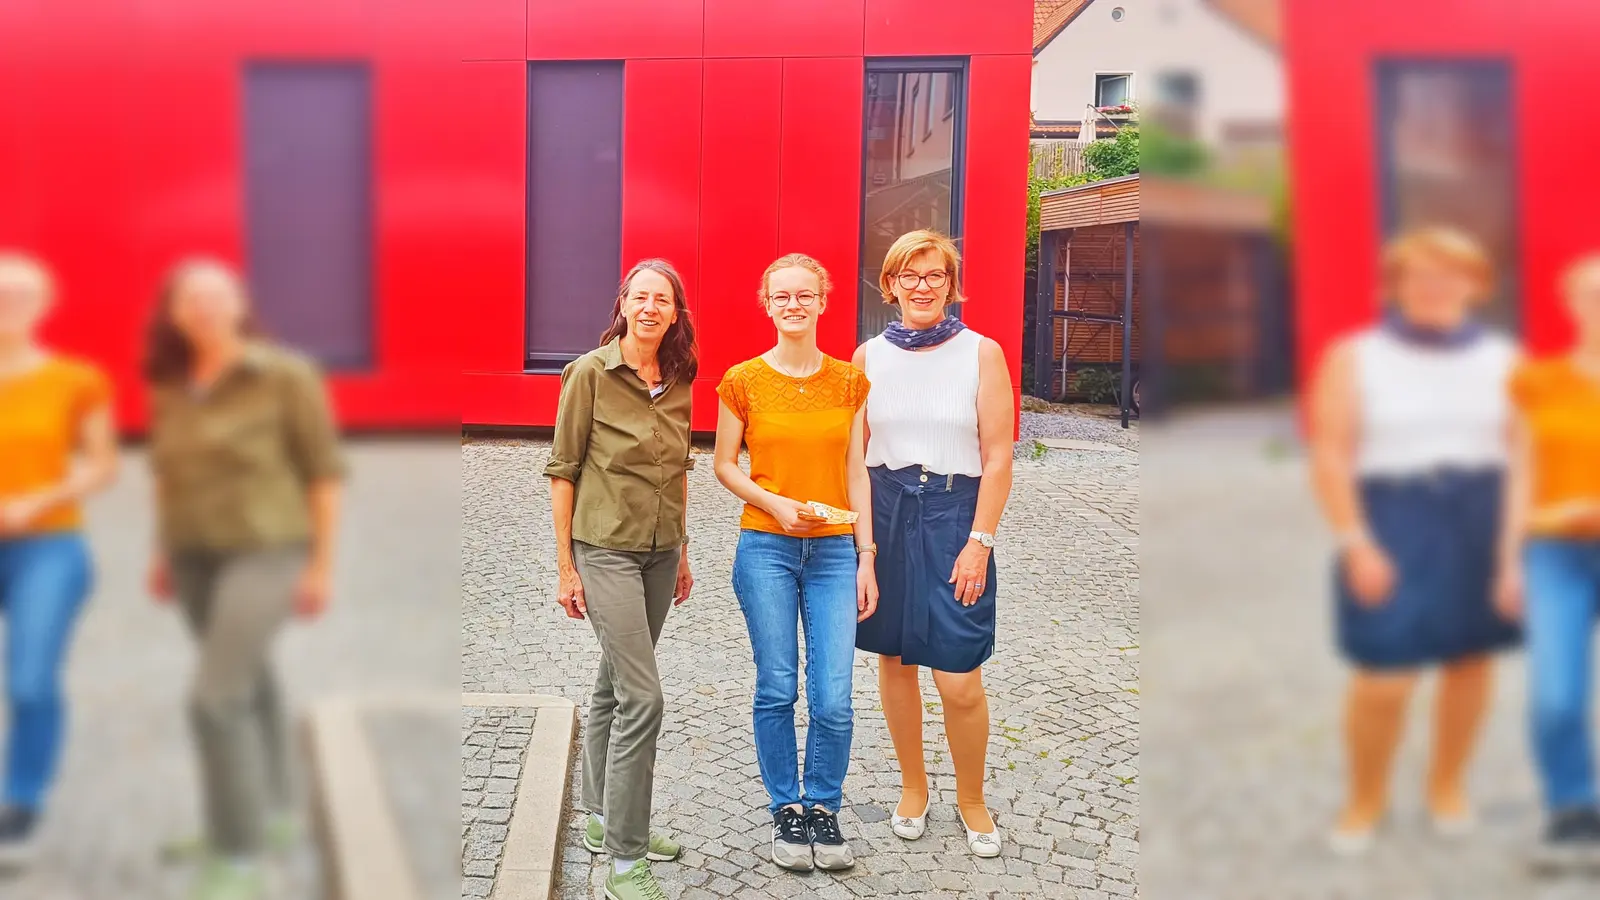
(774, 28)
(995, 204)
(820, 183)
(615, 29)
(739, 212)
(485, 203)
(948, 27)
(483, 29)
(1560, 185)
(527, 400)
(661, 166)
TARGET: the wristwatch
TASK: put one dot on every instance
(867, 548)
(686, 540)
(984, 538)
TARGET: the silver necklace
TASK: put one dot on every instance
(773, 359)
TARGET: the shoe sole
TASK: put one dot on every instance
(796, 864)
(1564, 860)
(18, 857)
(651, 855)
(828, 861)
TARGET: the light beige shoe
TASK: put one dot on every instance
(910, 828)
(985, 844)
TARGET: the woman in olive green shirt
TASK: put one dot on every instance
(618, 479)
(247, 470)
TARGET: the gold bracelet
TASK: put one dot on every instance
(867, 548)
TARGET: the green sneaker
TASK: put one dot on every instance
(638, 883)
(225, 880)
(282, 834)
(662, 849)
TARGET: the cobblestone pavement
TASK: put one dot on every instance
(1241, 766)
(1063, 687)
(128, 780)
(493, 742)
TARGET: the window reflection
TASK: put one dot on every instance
(909, 160)
(1446, 137)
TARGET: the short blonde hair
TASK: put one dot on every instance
(32, 269)
(796, 261)
(912, 243)
(1584, 267)
(1451, 246)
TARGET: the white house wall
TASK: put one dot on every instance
(1240, 78)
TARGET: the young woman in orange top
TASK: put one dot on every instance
(801, 413)
(57, 445)
(1550, 559)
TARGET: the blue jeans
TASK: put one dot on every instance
(779, 580)
(43, 583)
(1562, 583)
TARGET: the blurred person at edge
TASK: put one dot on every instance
(57, 445)
(248, 472)
(619, 481)
(1410, 426)
(1550, 557)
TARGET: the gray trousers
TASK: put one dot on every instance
(235, 604)
(628, 595)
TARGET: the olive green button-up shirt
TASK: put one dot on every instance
(625, 452)
(233, 463)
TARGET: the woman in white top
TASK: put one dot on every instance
(1410, 424)
(940, 424)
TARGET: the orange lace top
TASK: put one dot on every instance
(797, 431)
(1561, 406)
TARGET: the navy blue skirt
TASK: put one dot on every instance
(921, 521)
(1440, 531)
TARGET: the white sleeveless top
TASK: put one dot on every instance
(1422, 408)
(922, 409)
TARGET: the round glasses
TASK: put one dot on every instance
(805, 298)
(910, 280)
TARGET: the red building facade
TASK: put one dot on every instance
(742, 131)
(437, 199)
(305, 140)
(1465, 113)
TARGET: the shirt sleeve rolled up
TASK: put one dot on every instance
(574, 421)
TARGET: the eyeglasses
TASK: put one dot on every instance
(806, 298)
(936, 279)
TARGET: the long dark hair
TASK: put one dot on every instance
(679, 355)
(168, 354)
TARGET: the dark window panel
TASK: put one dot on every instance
(308, 206)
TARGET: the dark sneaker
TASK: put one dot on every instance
(791, 841)
(828, 847)
(1572, 840)
(17, 833)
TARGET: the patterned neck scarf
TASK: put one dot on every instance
(1461, 336)
(918, 339)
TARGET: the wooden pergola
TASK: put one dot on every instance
(1097, 205)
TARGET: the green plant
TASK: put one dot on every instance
(1162, 152)
(1113, 157)
(1097, 385)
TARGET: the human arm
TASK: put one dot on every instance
(1335, 432)
(996, 429)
